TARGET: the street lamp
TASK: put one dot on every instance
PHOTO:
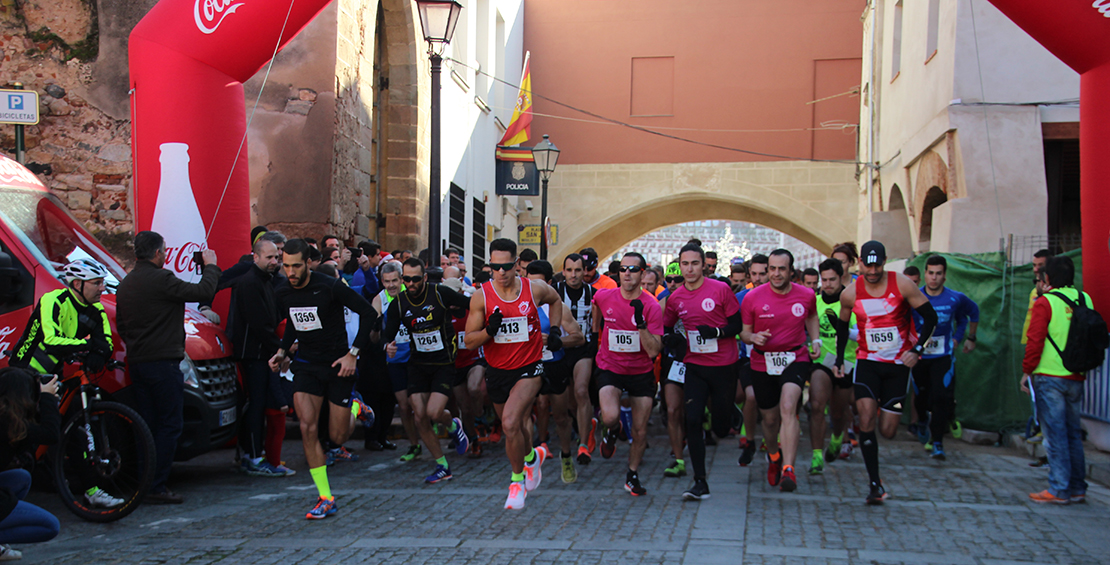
(545, 154)
(437, 19)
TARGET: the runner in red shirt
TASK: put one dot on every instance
(504, 322)
(777, 318)
(630, 324)
(710, 314)
(888, 348)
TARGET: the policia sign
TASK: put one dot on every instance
(516, 172)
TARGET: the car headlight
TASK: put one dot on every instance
(189, 370)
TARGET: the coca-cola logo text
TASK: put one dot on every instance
(209, 14)
(5, 345)
(1103, 7)
(180, 259)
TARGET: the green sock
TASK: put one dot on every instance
(530, 457)
(442, 461)
(453, 427)
(680, 462)
(320, 477)
(518, 477)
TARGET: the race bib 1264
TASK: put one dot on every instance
(427, 342)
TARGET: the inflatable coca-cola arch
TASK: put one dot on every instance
(188, 60)
(1078, 32)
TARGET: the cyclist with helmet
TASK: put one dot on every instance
(67, 321)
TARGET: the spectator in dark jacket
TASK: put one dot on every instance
(150, 316)
(29, 418)
(252, 328)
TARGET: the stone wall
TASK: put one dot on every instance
(81, 153)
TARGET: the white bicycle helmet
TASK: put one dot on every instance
(84, 270)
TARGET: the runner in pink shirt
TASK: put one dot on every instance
(710, 317)
(630, 324)
(777, 319)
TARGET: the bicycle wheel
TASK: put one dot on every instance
(116, 455)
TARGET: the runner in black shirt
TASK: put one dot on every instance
(312, 304)
(423, 309)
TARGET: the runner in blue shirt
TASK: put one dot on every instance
(934, 378)
(757, 273)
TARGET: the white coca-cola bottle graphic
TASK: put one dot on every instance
(176, 215)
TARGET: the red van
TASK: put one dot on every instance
(38, 236)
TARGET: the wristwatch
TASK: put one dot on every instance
(354, 351)
(971, 338)
(918, 349)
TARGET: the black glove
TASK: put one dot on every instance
(638, 313)
(709, 332)
(493, 323)
(554, 341)
(95, 361)
(591, 348)
(674, 341)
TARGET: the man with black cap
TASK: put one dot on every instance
(889, 346)
(593, 277)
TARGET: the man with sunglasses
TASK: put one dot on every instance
(504, 321)
(423, 310)
(630, 324)
(889, 346)
(593, 277)
(672, 277)
(710, 317)
(578, 296)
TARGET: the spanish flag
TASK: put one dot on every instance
(520, 127)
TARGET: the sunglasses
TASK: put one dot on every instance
(412, 279)
(630, 269)
(674, 279)
(501, 266)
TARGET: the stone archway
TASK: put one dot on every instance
(929, 191)
(405, 109)
(606, 206)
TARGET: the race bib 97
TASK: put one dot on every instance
(777, 361)
(883, 339)
(305, 319)
(621, 341)
(513, 330)
(699, 344)
(427, 342)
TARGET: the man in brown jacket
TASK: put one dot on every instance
(150, 316)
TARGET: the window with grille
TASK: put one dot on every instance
(478, 246)
(456, 231)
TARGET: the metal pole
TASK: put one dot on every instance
(20, 144)
(434, 214)
(543, 221)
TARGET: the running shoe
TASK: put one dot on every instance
(957, 429)
(517, 493)
(833, 449)
(413, 453)
(286, 471)
(877, 495)
(9, 554)
(475, 450)
(1078, 498)
(929, 446)
(817, 463)
(533, 473)
(921, 431)
(633, 486)
(609, 443)
(938, 451)
(1037, 438)
(324, 507)
(583, 455)
(365, 412)
(495, 435)
(700, 491)
(846, 451)
(774, 469)
(763, 445)
(852, 436)
(747, 452)
(789, 482)
(441, 474)
(461, 441)
(100, 499)
(264, 469)
(340, 454)
(570, 474)
(677, 469)
(591, 439)
(1045, 497)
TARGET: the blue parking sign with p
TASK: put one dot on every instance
(15, 101)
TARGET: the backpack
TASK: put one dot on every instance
(1087, 337)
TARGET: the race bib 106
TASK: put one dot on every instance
(513, 330)
(305, 319)
(777, 361)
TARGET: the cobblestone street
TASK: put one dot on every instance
(971, 509)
